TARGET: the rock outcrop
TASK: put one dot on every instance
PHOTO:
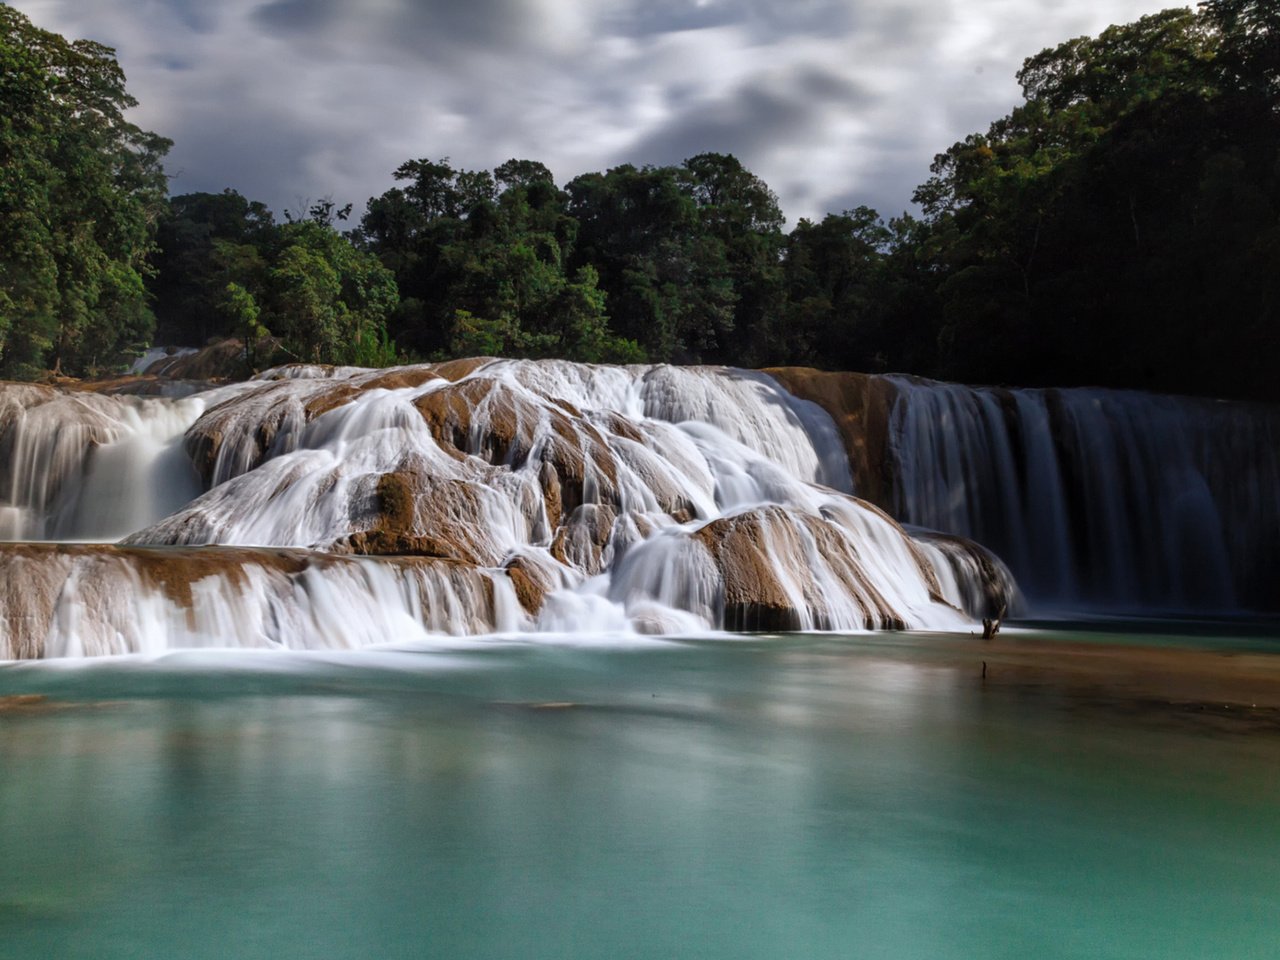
(60, 600)
(861, 405)
(489, 495)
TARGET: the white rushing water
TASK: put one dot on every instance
(529, 497)
(149, 362)
(1097, 498)
(77, 466)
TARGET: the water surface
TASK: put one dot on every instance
(773, 797)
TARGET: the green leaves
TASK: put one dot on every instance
(226, 269)
(80, 192)
(1109, 230)
(329, 300)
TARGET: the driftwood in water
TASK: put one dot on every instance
(991, 627)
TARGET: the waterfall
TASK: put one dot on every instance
(78, 466)
(76, 601)
(149, 361)
(321, 506)
(1097, 498)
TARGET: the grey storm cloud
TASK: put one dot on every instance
(409, 24)
(834, 103)
(762, 17)
(769, 110)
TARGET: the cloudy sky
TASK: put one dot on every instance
(833, 102)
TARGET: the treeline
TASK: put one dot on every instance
(1120, 227)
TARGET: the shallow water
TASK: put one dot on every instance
(771, 797)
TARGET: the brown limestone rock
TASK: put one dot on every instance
(754, 550)
(754, 598)
(860, 405)
(455, 370)
(251, 423)
(104, 581)
(219, 360)
(577, 464)
(530, 584)
(580, 541)
(417, 515)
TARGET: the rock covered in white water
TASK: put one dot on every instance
(76, 465)
(63, 600)
(592, 498)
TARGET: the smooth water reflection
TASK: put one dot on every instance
(786, 799)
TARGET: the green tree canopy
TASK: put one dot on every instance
(1119, 226)
(81, 189)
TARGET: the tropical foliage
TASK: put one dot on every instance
(81, 190)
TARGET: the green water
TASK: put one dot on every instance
(787, 798)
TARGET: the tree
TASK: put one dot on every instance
(1250, 56)
(204, 242)
(81, 189)
(329, 300)
(242, 313)
(835, 277)
(668, 280)
(739, 213)
(1087, 236)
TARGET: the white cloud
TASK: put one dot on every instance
(833, 103)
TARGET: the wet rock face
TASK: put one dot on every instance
(861, 406)
(263, 418)
(793, 571)
(745, 552)
(59, 600)
(47, 440)
(499, 495)
(1105, 500)
(238, 434)
(417, 515)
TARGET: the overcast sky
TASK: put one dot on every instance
(833, 102)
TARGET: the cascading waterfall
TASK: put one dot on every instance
(1097, 498)
(333, 507)
(78, 466)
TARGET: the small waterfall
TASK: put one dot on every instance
(150, 361)
(1097, 498)
(95, 600)
(78, 466)
(472, 497)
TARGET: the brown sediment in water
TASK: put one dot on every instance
(1237, 689)
(35, 704)
(23, 703)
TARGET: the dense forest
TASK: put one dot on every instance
(1120, 227)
